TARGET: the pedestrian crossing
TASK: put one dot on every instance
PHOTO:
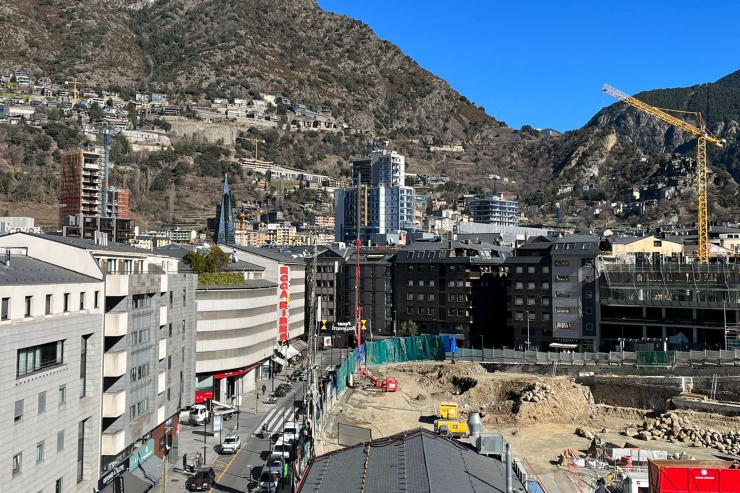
(275, 419)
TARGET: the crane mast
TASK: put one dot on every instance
(703, 136)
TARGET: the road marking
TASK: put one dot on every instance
(227, 468)
(256, 430)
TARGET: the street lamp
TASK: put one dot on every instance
(527, 315)
(482, 349)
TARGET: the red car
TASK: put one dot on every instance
(203, 480)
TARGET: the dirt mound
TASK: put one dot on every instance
(500, 398)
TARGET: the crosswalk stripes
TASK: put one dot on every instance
(275, 419)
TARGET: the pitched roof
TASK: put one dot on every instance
(270, 253)
(90, 244)
(27, 270)
(417, 461)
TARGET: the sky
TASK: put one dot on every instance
(543, 62)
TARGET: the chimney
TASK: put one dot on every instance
(509, 481)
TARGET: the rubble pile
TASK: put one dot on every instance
(673, 428)
(536, 392)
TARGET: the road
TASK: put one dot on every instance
(239, 473)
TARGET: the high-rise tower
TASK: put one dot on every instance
(225, 227)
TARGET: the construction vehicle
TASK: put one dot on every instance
(448, 410)
(451, 428)
(385, 384)
(703, 136)
(203, 413)
(693, 476)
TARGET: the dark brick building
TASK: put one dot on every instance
(454, 288)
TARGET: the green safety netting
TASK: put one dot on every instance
(343, 373)
(402, 349)
(656, 359)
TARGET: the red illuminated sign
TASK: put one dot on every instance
(283, 303)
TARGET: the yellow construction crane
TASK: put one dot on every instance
(256, 145)
(703, 136)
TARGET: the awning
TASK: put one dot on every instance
(563, 346)
(131, 484)
(299, 345)
(150, 470)
(288, 351)
(279, 361)
(234, 373)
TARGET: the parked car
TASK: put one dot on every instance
(283, 447)
(290, 432)
(203, 480)
(231, 444)
(274, 463)
(269, 481)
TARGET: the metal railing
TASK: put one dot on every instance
(511, 356)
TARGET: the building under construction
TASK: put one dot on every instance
(81, 177)
(692, 305)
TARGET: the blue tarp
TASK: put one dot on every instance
(450, 344)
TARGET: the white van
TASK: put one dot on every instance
(283, 447)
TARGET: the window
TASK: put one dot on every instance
(545, 301)
(27, 312)
(530, 269)
(409, 310)
(519, 285)
(138, 409)
(562, 263)
(420, 297)
(545, 317)
(60, 441)
(411, 282)
(5, 309)
(431, 268)
(420, 311)
(18, 415)
(409, 296)
(545, 284)
(47, 309)
(589, 326)
(530, 300)
(62, 394)
(562, 309)
(17, 460)
(38, 358)
(460, 283)
(58, 486)
(142, 301)
(657, 244)
(531, 316)
(519, 269)
(82, 301)
(450, 284)
(430, 297)
(169, 329)
(452, 268)
(431, 283)
(42, 403)
(520, 315)
(519, 300)
(411, 268)
(460, 297)
(80, 450)
(172, 296)
(97, 299)
(562, 325)
(39, 451)
(184, 296)
(169, 362)
(530, 285)
(452, 312)
(430, 311)
(562, 294)
(183, 326)
(66, 302)
(83, 366)
(589, 294)
(589, 310)
(562, 278)
(421, 282)
(545, 269)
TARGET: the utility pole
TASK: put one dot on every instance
(313, 317)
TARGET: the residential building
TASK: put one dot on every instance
(118, 203)
(575, 295)
(148, 342)
(386, 206)
(647, 246)
(52, 329)
(494, 209)
(115, 229)
(321, 221)
(454, 288)
(330, 266)
(18, 224)
(529, 297)
(376, 289)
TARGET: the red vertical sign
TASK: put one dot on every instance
(283, 302)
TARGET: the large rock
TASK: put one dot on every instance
(630, 432)
(645, 435)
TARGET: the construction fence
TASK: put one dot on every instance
(639, 359)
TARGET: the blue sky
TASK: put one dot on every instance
(543, 63)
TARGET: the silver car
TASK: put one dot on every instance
(231, 444)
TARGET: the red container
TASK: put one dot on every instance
(693, 476)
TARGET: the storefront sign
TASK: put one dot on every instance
(141, 455)
(283, 302)
(108, 478)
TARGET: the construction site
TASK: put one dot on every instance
(565, 437)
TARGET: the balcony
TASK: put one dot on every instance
(163, 284)
(114, 404)
(162, 349)
(116, 324)
(113, 443)
(163, 315)
(567, 333)
(116, 285)
(114, 364)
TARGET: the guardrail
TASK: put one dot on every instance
(511, 356)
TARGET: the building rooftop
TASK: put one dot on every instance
(452, 251)
(27, 270)
(91, 245)
(417, 461)
(576, 245)
(179, 251)
(283, 256)
(248, 284)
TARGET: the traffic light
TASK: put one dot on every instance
(323, 325)
(363, 324)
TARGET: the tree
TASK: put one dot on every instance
(409, 328)
(217, 260)
(196, 261)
